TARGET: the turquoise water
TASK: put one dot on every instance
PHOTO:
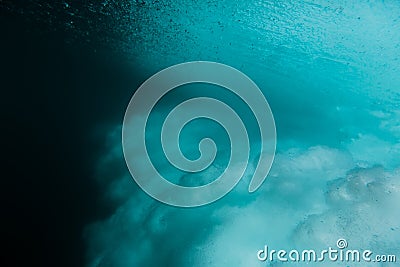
(330, 72)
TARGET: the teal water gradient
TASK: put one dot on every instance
(330, 72)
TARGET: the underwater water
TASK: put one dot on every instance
(330, 72)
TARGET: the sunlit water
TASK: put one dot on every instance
(330, 73)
